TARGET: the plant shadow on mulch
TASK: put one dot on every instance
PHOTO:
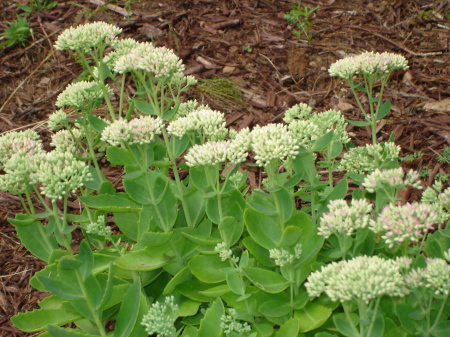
(249, 43)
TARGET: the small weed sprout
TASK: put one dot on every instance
(18, 32)
(300, 17)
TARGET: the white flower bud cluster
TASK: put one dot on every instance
(85, 37)
(209, 122)
(304, 132)
(393, 178)
(121, 47)
(301, 111)
(364, 159)
(229, 323)
(224, 251)
(331, 120)
(160, 318)
(157, 61)
(13, 142)
(77, 96)
(406, 223)
(342, 218)
(99, 227)
(187, 107)
(435, 277)
(67, 141)
(283, 256)
(178, 79)
(362, 278)
(210, 153)
(272, 142)
(140, 130)
(60, 173)
(18, 170)
(368, 63)
(57, 120)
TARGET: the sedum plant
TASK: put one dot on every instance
(179, 245)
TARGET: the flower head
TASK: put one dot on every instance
(284, 256)
(209, 123)
(13, 142)
(67, 141)
(78, 95)
(362, 278)
(393, 178)
(368, 63)
(230, 324)
(87, 36)
(156, 61)
(406, 223)
(57, 120)
(60, 173)
(99, 227)
(367, 158)
(210, 153)
(18, 170)
(435, 277)
(161, 317)
(272, 142)
(300, 111)
(140, 130)
(331, 120)
(342, 218)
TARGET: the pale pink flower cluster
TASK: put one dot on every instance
(368, 63)
(157, 61)
(406, 223)
(140, 130)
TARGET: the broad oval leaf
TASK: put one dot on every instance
(266, 280)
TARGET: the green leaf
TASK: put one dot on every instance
(358, 123)
(262, 202)
(236, 284)
(128, 313)
(262, 228)
(120, 203)
(153, 239)
(343, 326)
(210, 324)
(290, 236)
(275, 308)
(61, 332)
(107, 187)
(312, 316)
(323, 141)
(398, 332)
(97, 123)
(144, 107)
(336, 149)
(119, 156)
(285, 201)
(193, 289)
(231, 229)
(139, 260)
(38, 319)
(202, 240)
(179, 145)
(260, 253)
(60, 282)
(217, 291)
(266, 280)
(207, 268)
(128, 224)
(289, 329)
(33, 236)
(434, 249)
(378, 327)
(183, 276)
(195, 202)
(86, 257)
(384, 110)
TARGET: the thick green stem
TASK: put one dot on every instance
(438, 317)
(349, 320)
(374, 316)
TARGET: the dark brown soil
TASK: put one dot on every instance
(250, 43)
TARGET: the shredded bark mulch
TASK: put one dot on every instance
(249, 43)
